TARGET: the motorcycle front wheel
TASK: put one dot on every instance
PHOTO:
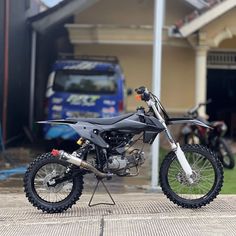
(51, 198)
(207, 177)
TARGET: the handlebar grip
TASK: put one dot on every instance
(140, 90)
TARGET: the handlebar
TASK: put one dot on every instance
(145, 94)
(140, 90)
(152, 101)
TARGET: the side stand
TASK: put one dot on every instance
(94, 191)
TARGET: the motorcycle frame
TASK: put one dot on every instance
(88, 131)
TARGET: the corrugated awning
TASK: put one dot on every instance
(59, 13)
(199, 4)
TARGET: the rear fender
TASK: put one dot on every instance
(174, 121)
(84, 129)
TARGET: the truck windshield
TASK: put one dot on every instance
(85, 82)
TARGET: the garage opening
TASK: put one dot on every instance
(221, 88)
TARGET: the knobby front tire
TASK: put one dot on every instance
(51, 199)
(207, 177)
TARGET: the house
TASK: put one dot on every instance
(199, 41)
(199, 56)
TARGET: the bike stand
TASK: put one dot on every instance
(101, 203)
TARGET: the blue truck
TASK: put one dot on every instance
(87, 86)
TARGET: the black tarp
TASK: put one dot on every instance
(1, 54)
(19, 67)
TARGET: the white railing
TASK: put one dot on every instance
(221, 59)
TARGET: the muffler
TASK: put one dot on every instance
(78, 162)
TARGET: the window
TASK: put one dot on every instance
(85, 83)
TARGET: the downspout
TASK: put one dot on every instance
(32, 78)
(6, 69)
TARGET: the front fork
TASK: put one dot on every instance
(175, 147)
(180, 156)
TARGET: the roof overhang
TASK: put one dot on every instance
(110, 34)
(58, 14)
(207, 17)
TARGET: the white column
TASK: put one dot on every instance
(156, 79)
(201, 77)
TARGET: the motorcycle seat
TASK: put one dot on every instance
(101, 121)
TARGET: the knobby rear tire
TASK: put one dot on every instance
(33, 196)
(230, 163)
(183, 201)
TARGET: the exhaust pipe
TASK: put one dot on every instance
(78, 162)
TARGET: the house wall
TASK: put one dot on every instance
(120, 12)
(127, 12)
(136, 60)
(228, 43)
(178, 84)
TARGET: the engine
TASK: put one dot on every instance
(121, 164)
(117, 139)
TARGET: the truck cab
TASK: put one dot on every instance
(83, 87)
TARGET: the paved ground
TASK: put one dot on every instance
(134, 214)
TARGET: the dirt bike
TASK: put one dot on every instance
(213, 138)
(190, 176)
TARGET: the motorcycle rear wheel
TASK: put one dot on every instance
(51, 199)
(207, 177)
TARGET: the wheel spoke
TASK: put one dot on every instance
(55, 193)
(203, 177)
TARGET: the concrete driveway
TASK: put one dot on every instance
(133, 214)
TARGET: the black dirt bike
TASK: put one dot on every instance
(213, 138)
(190, 176)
